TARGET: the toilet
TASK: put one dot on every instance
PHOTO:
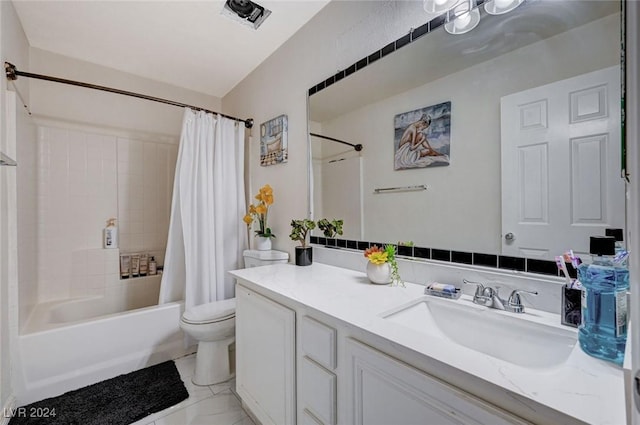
(213, 325)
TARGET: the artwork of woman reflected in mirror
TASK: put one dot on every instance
(422, 137)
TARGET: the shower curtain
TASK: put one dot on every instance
(206, 231)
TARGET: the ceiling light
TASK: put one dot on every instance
(438, 6)
(498, 7)
(463, 18)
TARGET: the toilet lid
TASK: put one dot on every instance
(211, 312)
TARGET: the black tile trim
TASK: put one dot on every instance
(403, 41)
(389, 48)
(374, 56)
(436, 22)
(511, 263)
(362, 245)
(419, 32)
(504, 262)
(486, 260)
(329, 81)
(542, 267)
(350, 70)
(440, 254)
(421, 252)
(461, 257)
(407, 251)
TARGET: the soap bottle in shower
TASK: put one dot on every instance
(110, 234)
(603, 332)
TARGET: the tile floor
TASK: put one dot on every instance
(212, 405)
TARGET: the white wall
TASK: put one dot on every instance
(439, 216)
(280, 85)
(313, 51)
(78, 104)
(13, 46)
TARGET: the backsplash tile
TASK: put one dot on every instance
(487, 260)
(440, 254)
(511, 263)
(542, 267)
(363, 245)
(352, 244)
(405, 250)
(421, 252)
(462, 257)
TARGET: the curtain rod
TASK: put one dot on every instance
(13, 74)
(357, 147)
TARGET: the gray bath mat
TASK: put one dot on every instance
(116, 401)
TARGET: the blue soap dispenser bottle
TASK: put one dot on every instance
(603, 332)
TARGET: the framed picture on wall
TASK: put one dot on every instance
(273, 141)
(422, 137)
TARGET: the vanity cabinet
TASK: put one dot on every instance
(265, 353)
(317, 379)
(382, 390)
(294, 368)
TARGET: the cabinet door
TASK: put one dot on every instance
(382, 390)
(265, 357)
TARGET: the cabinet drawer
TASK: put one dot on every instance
(318, 342)
(318, 391)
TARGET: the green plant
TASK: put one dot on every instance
(330, 228)
(379, 255)
(300, 229)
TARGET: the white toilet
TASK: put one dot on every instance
(213, 325)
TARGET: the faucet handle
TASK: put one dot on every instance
(479, 287)
(514, 303)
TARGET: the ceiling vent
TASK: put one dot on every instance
(246, 12)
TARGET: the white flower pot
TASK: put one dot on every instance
(263, 244)
(379, 274)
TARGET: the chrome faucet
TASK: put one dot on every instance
(490, 297)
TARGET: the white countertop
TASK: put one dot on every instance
(583, 387)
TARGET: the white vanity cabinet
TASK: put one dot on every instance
(297, 367)
(265, 357)
(317, 379)
(382, 390)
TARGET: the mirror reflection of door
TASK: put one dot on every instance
(561, 164)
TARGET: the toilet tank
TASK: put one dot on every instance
(255, 258)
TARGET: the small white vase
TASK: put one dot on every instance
(379, 274)
(263, 244)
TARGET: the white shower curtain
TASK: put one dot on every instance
(206, 231)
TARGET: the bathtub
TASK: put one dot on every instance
(73, 343)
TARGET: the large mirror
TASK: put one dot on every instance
(504, 140)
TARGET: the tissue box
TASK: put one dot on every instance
(571, 312)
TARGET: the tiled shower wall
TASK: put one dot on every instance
(84, 179)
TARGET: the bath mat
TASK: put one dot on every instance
(117, 401)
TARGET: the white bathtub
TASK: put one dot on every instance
(73, 343)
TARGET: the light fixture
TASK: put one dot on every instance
(498, 7)
(463, 18)
(438, 6)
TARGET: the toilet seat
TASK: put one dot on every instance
(213, 312)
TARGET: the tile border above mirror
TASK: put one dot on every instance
(413, 35)
(495, 261)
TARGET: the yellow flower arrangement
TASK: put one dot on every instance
(260, 211)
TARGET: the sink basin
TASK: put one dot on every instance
(499, 334)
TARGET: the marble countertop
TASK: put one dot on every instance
(583, 388)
